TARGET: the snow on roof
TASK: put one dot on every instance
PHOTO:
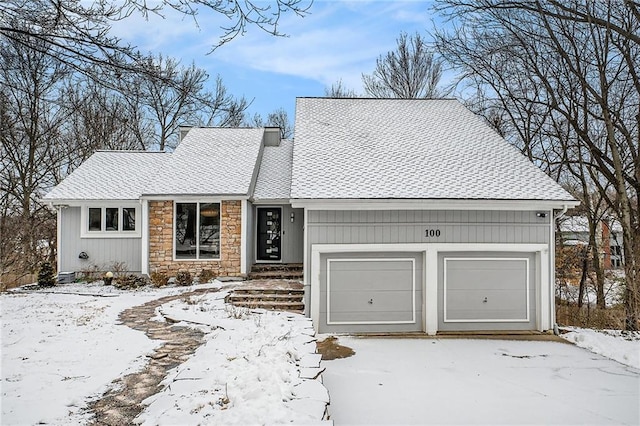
(407, 149)
(274, 177)
(109, 175)
(210, 161)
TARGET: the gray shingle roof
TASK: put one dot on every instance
(274, 177)
(210, 161)
(109, 175)
(407, 149)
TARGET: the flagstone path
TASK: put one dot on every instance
(121, 404)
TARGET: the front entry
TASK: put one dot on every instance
(269, 234)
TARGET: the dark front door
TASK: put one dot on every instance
(269, 232)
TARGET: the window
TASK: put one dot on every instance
(95, 219)
(109, 221)
(197, 231)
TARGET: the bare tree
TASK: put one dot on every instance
(31, 115)
(579, 62)
(339, 90)
(410, 71)
(278, 118)
(76, 33)
(174, 95)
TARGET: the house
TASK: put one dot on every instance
(575, 231)
(408, 215)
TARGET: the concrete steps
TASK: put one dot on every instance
(281, 271)
(282, 299)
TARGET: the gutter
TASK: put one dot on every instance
(562, 213)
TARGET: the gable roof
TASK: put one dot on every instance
(211, 161)
(407, 149)
(109, 175)
(274, 177)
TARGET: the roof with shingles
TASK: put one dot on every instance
(274, 177)
(210, 161)
(407, 149)
(109, 175)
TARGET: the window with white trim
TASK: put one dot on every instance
(110, 221)
(197, 231)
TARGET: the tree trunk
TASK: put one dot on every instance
(583, 277)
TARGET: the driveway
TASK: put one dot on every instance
(460, 381)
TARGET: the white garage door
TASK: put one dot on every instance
(487, 291)
(371, 293)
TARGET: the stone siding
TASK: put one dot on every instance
(161, 242)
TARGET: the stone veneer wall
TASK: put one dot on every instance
(161, 242)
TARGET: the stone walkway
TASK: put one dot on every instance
(121, 404)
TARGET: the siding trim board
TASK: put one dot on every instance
(377, 260)
(527, 306)
(430, 292)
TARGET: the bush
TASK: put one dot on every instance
(183, 278)
(130, 281)
(90, 274)
(205, 276)
(45, 276)
(590, 317)
(158, 279)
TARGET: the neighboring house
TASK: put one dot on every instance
(408, 215)
(575, 231)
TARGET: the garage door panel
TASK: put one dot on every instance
(481, 298)
(371, 301)
(374, 280)
(370, 275)
(467, 275)
(381, 317)
(486, 314)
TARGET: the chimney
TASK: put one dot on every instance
(271, 136)
(183, 132)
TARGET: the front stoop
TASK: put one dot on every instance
(286, 298)
(281, 271)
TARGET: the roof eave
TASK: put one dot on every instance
(431, 204)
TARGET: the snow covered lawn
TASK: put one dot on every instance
(461, 381)
(60, 350)
(621, 346)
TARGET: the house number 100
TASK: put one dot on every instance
(432, 233)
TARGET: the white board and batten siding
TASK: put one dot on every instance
(102, 252)
(472, 270)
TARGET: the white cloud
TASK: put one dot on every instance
(337, 41)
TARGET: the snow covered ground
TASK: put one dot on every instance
(60, 350)
(463, 381)
(246, 373)
(621, 346)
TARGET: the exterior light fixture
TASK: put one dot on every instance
(293, 217)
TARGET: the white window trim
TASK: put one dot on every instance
(197, 202)
(84, 220)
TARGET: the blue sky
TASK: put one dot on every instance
(337, 40)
